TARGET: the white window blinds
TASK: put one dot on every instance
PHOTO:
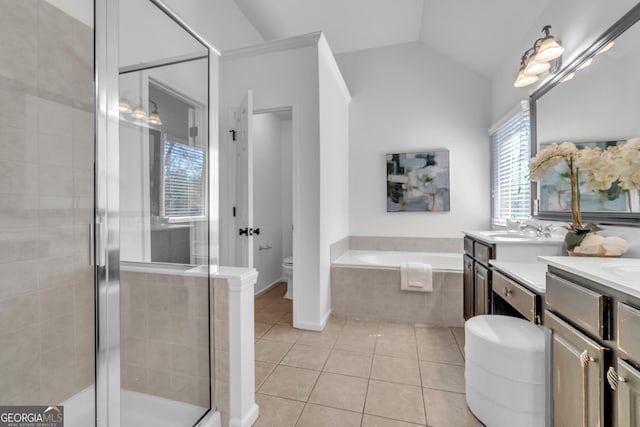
(183, 192)
(511, 189)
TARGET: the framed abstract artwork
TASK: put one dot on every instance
(418, 182)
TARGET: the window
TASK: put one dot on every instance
(183, 180)
(511, 188)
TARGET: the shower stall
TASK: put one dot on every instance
(108, 213)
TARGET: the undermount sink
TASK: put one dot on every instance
(623, 269)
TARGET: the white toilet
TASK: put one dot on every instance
(287, 272)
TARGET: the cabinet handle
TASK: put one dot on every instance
(585, 359)
(614, 379)
(506, 292)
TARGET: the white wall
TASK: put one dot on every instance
(409, 98)
(278, 79)
(267, 206)
(334, 165)
(576, 23)
(219, 21)
(287, 189)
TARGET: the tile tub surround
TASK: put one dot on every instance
(46, 204)
(374, 293)
(338, 248)
(358, 373)
(406, 244)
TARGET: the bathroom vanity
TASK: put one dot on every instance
(592, 306)
(481, 250)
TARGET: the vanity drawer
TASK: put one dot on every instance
(587, 309)
(482, 252)
(519, 297)
(628, 327)
(468, 245)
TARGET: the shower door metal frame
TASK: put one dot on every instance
(107, 226)
(107, 204)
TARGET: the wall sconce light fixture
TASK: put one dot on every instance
(545, 55)
(154, 117)
(139, 113)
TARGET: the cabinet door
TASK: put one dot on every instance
(482, 282)
(628, 395)
(579, 394)
(469, 294)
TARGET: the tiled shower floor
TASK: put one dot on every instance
(356, 372)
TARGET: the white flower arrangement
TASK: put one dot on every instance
(601, 169)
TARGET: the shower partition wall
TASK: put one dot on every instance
(47, 292)
(92, 318)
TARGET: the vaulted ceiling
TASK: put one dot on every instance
(476, 33)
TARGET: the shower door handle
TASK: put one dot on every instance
(92, 245)
(100, 253)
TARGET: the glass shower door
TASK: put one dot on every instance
(165, 374)
(47, 284)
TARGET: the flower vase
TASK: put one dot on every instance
(596, 245)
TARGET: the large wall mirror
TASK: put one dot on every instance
(593, 101)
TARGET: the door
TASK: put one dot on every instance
(482, 289)
(242, 132)
(578, 376)
(469, 296)
(628, 387)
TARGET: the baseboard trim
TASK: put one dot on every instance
(247, 421)
(313, 326)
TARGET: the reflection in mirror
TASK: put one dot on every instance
(591, 102)
(163, 205)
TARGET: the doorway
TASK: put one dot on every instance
(273, 194)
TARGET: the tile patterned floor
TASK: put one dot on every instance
(357, 373)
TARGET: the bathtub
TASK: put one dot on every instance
(388, 259)
(366, 285)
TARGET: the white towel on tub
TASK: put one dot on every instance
(416, 276)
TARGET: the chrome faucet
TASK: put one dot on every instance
(541, 230)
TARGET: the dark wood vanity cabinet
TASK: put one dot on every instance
(625, 378)
(579, 364)
(477, 277)
(521, 300)
(482, 289)
(469, 288)
(596, 352)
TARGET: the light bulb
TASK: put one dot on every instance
(585, 64)
(524, 80)
(549, 50)
(124, 106)
(139, 112)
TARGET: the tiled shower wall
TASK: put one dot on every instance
(46, 203)
(165, 336)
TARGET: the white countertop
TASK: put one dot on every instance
(493, 237)
(622, 274)
(530, 274)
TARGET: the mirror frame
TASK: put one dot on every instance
(618, 218)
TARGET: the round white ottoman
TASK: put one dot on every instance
(505, 371)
